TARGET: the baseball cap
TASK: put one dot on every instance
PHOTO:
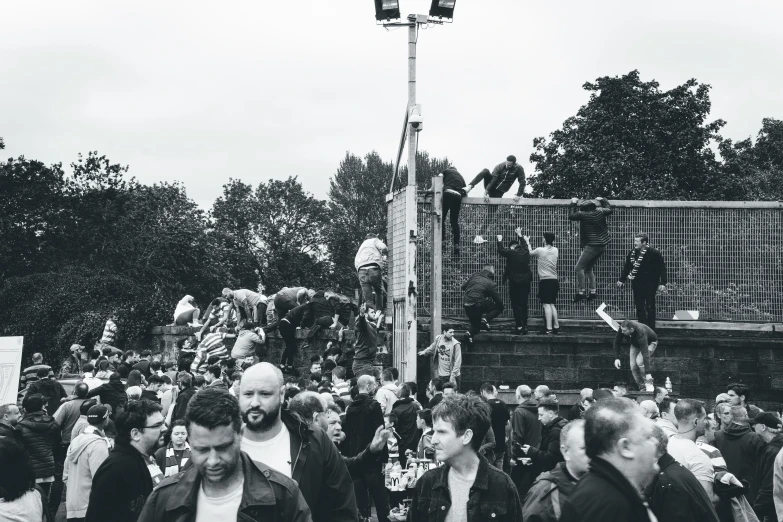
(770, 420)
(75, 347)
(97, 414)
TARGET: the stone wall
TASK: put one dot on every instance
(699, 363)
(163, 339)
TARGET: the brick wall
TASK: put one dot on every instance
(699, 364)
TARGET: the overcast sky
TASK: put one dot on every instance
(199, 92)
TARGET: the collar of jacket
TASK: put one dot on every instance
(482, 476)
(121, 447)
(665, 461)
(608, 472)
(300, 435)
(256, 490)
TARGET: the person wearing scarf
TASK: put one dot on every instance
(172, 458)
(645, 268)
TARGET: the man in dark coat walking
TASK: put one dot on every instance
(481, 302)
(525, 431)
(646, 270)
(547, 454)
(406, 409)
(622, 461)
(519, 276)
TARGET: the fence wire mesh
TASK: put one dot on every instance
(723, 260)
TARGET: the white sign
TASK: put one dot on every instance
(10, 368)
(606, 317)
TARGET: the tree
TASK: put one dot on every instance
(632, 141)
(755, 172)
(278, 229)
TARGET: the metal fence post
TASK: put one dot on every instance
(436, 305)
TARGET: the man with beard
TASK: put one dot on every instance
(126, 478)
(620, 444)
(223, 483)
(280, 440)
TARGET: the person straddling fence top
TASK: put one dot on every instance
(551, 490)
(645, 268)
(519, 276)
(453, 192)
(446, 357)
(643, 344)
(289, 298)
(187, 313)
(466, 487)
(368, 263)
(285, 443)
(481, 302)
(319, 314)
(593, 238)
(343, 306)
(618, 441)
(500, 180)
(249, 305)
(229, 486)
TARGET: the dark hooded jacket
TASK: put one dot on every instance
(517, 263)
(112, 393)
(764, 505)
(120, 486)
(406, 411)
(741, 447)
(6, 430)
(39, 434)
(318, 308)
(548, 454)
(479, 288)
(677, 496)
(52, 390)
(453, 180)
(548, 494)
(362, 418)
(525, 430)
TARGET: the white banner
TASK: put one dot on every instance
(10, 368)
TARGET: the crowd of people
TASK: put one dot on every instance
(250, 443)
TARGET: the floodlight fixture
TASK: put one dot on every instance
(442, 9)
(387, 10)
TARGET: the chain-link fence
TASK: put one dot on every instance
(724, 259)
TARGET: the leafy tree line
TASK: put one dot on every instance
(75, 247)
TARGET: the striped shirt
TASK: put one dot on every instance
(593, 228)
(547, 261)
(109, 333)
(211, 345)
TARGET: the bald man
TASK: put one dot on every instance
(284, 442)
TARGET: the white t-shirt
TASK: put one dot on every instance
(687, 453)
(275, 453)
(223, 508)
(25, 508)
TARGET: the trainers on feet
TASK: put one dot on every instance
(485, 325)
(521, 330)
(556, 331)
(592, 296)
(579, 297)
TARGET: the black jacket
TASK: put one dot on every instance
(453, 180)
(525, 430)
(517, 264)
(52, 390)
(548, 494)
(266, 495)
(479, 288)
(124, 369)
(181, 406)
(603, 494)
(362, 418)
(120, 487)
(407, 412)
(318, 307)
(10, 432)
(546, 456)
(366, 345)
(492, 496)
(113, 393)
(39, 434)
(296, 314)
(677, 496)
(321, 473)
(764, 505)
(652, 270)
(741, 448)
(577, 411)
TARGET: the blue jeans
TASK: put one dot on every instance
(584, 267)
(371, 281)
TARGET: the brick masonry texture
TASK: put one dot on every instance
(700, 365)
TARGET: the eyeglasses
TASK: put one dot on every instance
(155, 426)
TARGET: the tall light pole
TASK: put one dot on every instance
(385, 10)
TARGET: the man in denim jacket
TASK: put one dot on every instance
(465, 486)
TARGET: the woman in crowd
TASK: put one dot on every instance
(20, 499)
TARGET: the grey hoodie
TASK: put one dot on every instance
(85, 455)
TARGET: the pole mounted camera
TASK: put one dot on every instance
(415, 119)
